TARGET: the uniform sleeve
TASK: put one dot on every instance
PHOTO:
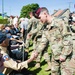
(67, 46)
(43, 44)
(29, 25)
(10, 63)
(37, 29)
(34, 31)
(67, 41)
(14, 65)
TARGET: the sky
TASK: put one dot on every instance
(13, 7)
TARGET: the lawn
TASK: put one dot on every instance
(41, 70)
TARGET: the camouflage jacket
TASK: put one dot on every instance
(60, 38)
(32, 24)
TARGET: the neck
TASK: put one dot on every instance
(49, 19)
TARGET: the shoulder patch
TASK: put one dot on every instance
(6, 58)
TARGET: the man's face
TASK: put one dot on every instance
(43, 17)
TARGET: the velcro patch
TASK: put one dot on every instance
(6, 58)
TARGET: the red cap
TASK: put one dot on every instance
(38, 11)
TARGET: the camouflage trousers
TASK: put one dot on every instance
(70, 67)
(57, 67)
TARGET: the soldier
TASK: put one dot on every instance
(31, 26)
(59, 38)
(8, 62)
(70, 67)
(37, 40)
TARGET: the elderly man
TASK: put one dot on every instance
(8, 62)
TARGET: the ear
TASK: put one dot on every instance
(45, 14)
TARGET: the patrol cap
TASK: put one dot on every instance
(2, 37)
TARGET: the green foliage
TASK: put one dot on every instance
(3, 21)
(27, 9)
(1, 17)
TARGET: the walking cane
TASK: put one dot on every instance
(23, 51)
(24, 40)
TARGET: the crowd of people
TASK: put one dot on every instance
(44, 30)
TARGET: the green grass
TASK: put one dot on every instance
(41, 70)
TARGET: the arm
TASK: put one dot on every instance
(67, 47)
(67, 43)
(10, 63)
(39, 27)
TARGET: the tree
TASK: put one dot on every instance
(27, 9)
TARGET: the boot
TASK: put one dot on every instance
(37, 65)
(49, 66)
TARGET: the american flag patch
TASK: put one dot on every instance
(6, 58)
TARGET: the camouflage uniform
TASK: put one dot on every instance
(70, 67)
(42, 49)
(37, 40)
(37, 31)
(60, 43)
(31, 26)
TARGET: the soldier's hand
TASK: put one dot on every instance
(34, 55)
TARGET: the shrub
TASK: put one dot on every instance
(3, 21)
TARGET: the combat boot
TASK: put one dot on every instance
(49, 66)
(37, 65)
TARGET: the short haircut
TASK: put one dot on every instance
(44, 9)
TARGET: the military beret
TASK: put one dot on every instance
(2, 37)
(36, 12)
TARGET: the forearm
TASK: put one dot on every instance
(16, 66)
(30, 60)
(67, 46)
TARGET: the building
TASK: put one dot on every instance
(61, 13)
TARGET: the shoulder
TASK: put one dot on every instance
(61, 19)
